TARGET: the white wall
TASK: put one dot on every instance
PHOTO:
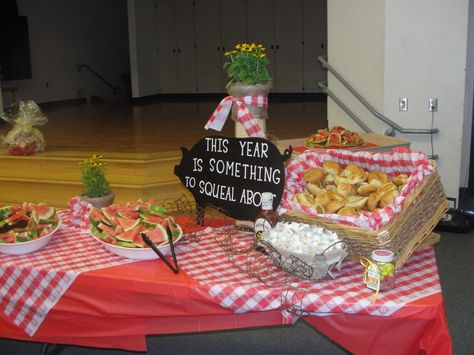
(468, 103)
(422, 54)
(356, 40)
(66, 33)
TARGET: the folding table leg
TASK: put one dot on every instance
(44, 349)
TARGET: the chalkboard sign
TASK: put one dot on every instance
(231, 173)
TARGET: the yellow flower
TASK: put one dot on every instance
(247, 64)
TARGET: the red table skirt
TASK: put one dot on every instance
(117, 307)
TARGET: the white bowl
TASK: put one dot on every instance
(28, 247)
(139, 253)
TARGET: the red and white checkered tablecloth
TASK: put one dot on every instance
(232, 288)
(31, 284)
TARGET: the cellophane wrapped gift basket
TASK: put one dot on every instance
(400, 224)
(23, 138)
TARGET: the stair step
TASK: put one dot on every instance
(55, 178)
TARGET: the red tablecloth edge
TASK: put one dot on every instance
(140, 327)
(423, 330)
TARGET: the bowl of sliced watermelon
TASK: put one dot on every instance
(118, 228)
(27, 227)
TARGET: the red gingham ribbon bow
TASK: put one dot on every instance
(79, 212)
(244, 116)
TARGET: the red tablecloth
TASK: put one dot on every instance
(117, 306)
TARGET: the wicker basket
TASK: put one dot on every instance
(403, 234)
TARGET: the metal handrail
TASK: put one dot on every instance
(85, 66)
(323, 60)
(325, 89)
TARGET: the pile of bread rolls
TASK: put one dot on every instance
(348, 191)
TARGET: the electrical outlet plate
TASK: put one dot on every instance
(433, 104)
(403, 104)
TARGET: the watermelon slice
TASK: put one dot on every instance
(41, 212)
(128, 236)
(157, 235)
(40, 221)
(122, 224)
(152, 220)
(348, 137)
(108, 229)
(337, 129)
(15, 217)
(128, 214)
(323, 132)
(334, 139)
(127, 223)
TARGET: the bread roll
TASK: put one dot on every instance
(314, 189)
(334, 206)
(337, 196)
(387, 198)
(352, 169)
(357, 178)
(323, 198)
(373, 200)
(366, 189)
(319, 208)
(346, 189)
(400, 179)
(331, 167)
(304, 199)
(386, 188)
(377, 178)
(348, 211)
(357, 202)
(314, 175)
(329, 180)
(339, 179)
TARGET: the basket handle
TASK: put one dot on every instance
(333, 244)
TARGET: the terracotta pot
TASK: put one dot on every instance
(260, 114)
(99, 202)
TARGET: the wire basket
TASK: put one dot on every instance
(307, 266)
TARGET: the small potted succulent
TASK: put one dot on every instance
(97, 187)
(248, 74)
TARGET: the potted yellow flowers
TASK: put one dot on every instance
(250, 80)
(97, 187)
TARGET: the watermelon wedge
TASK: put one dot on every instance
(39, 220)
(127, 223)
(334, 137)
(122, 224)
(157, 235)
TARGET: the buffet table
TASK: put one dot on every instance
(117, 306)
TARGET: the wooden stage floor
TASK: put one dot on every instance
(140, 141)
(154, 128)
